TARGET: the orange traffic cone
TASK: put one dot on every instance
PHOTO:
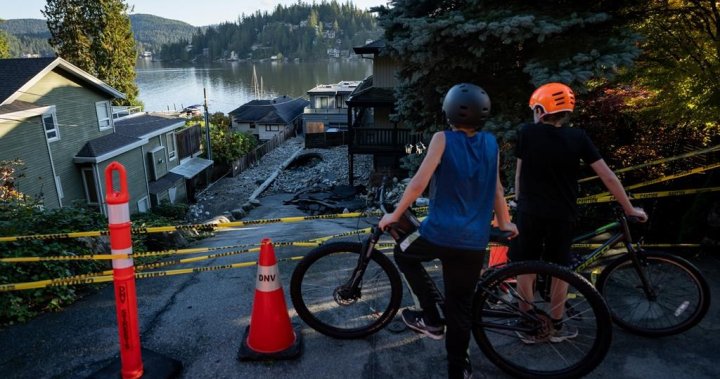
(270, 334)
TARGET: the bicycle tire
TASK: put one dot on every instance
(329, 266)
(497, 320)
(680, 287)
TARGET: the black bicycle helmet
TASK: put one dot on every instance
(466, 104)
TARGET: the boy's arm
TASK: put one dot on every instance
(501, 209)
(611, 181)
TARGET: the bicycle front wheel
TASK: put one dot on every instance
(319, 293)
(679, 297)
(518, 335)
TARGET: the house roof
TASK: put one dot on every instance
(147, 125)
(167, 181)
(341, 87)
(18, 106)
(372, 96)
(108, 143)
(281, 110)
(371, 48)
(19, 74)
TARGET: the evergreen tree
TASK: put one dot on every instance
(95, 35)
(508, 47)
(71, 31)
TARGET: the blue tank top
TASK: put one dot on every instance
(462, 192)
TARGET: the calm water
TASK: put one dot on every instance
(229, 85)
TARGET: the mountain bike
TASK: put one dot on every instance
(351, 290)
(651, 294)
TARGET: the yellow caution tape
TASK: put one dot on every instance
(600, 198)
(658, 161)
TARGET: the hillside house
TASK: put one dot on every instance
(58, 120)
(266, 118)
(326, 115)
(369, 107)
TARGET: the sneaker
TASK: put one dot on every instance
(565, 332)
(467, 374)
(414, 320)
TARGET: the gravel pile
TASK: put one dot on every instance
(229, 196)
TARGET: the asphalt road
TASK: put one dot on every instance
(199, 319)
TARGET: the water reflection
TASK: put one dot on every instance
(166, 86)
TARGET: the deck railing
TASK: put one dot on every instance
(382, 139)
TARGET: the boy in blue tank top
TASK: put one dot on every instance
(461, 167)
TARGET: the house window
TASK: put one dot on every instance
(321, 102)
(252, 125)
(272, 128)
(91, 192)
(339, 103)
(170, 137)
(143, 205)
(104, 114)
(51, 127)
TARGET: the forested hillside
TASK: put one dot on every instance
(29, 36)
(296, 31)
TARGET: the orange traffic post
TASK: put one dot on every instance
(270, 335)
(130, 365)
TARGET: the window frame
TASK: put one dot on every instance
(109, 119)
(86, 186)
(55, 129)
(171, 141)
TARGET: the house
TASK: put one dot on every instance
(371, 131)
(326, 115)
(266, 118)
(59, 121)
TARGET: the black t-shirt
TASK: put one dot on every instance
(551, 167)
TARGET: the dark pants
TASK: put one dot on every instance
(461, 271)
(542, 238)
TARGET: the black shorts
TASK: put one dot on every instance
(542, 238)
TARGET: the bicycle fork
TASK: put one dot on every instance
(351, 289)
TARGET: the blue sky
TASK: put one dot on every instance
(194, 12)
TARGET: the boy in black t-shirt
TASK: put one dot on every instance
(546, 190)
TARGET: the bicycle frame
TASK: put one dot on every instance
(622, 234)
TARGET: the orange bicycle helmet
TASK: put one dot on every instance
(553, 98)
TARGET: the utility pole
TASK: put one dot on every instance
(207, 126)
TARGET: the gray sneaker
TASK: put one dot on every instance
(414, 320)
(565, 332)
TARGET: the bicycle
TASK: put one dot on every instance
(351, 290)
(651, 294)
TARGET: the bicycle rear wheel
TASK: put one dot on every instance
(317, 291)
(680, 301)
(499, 325)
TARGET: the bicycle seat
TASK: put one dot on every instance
(499, 236)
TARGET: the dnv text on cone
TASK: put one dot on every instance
(270, 334)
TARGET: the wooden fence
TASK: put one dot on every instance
(245, 162)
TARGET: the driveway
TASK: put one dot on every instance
(199, 319)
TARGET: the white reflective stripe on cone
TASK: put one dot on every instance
(122, 263)
(268, 279)
(118, 213)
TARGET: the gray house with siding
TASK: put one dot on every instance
(266, 118)
(58, 120)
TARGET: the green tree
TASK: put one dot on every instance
(681, 62)
(507, 47)
(96, 36)
(4, 48)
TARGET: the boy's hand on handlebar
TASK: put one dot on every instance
(510, 228)
(386, 220)
(637, 213)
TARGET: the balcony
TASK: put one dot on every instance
(326, 110)
(381, 140)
